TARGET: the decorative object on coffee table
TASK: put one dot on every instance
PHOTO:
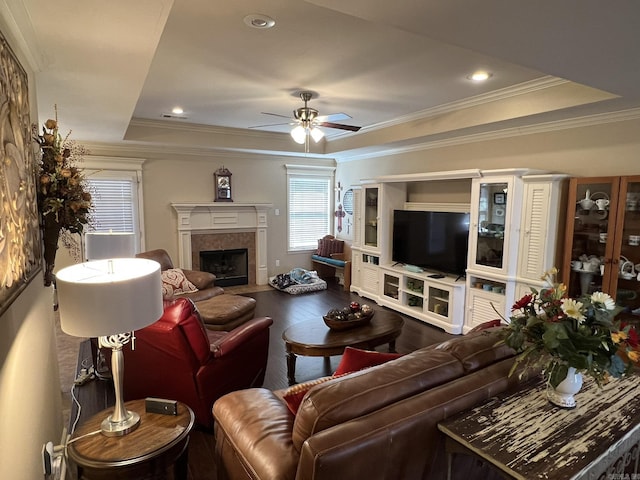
(222, 182)
(312, 338)
(348, 317)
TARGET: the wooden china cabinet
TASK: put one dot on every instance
(603, 225)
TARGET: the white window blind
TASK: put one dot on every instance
(113, 205)
(309, 209)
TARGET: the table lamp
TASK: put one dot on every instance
(110, 299)
(105, 245)
(102, 246)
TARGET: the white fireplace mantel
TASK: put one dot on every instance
(223, 216)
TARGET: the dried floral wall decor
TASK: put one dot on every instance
(64, 201)
(20, 247)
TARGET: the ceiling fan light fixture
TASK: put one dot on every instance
(316, 134)
(298, 134)
(258, 20)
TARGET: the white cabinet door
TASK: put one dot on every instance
(495, 222)
(540, 225)
(480, 307)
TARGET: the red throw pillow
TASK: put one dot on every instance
(485, 325)
(355, 359)
(294, 395)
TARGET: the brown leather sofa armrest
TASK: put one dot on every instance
(238, 336)
(200, 279)
(252, 429)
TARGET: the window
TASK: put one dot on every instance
(116, 196)
(309, 209)
(113, 204)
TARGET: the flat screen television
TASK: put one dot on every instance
(437, 241)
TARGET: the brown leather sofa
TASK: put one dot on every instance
(204, 281)
(219, 311)
(378, 423)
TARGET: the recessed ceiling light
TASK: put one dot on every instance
(177, 111)
(480, 76)
(257, 20)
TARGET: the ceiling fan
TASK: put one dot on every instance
(306, 122)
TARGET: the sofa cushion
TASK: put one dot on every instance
(362, 392)
(354, 359)
(174, 282)
(477, 350)
(293, 395)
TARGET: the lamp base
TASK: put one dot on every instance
(111, 428)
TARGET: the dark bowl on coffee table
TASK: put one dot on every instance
(334, 324)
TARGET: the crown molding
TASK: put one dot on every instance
(544, 127)
(524, 88)
(201, 128)
(112, 150)
(18, 22)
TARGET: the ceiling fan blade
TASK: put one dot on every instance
(333, 117)
(276, 115)
(339, 126)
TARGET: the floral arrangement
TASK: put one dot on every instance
(62, 192)
(64, 201)
(552, 332)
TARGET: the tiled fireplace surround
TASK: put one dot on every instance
(219, 226)
(225, 241)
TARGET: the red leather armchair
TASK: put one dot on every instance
(178, 358)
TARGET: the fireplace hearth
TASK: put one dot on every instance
(231, 267)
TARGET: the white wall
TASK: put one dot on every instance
(170, 178)
(30, 399)
(603, 150)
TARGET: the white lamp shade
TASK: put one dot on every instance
(109, 297)
(316, 134)
(103, 245)
(299, 133)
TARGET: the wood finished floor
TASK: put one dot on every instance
(286, 310)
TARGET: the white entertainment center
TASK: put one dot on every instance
(513, 232)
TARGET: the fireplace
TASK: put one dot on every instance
(231, 267)
(224, 226)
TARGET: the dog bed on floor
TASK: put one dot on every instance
(298, 281)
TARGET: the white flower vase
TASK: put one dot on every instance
(562, 395)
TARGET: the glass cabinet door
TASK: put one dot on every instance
(490, 224)
(590, 263)
(625, 276)
(371, 195)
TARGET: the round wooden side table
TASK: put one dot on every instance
(159, 443)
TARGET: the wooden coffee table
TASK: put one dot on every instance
(313, 338)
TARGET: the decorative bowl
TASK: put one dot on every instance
(334, 324)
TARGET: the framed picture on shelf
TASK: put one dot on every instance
(499, 198)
